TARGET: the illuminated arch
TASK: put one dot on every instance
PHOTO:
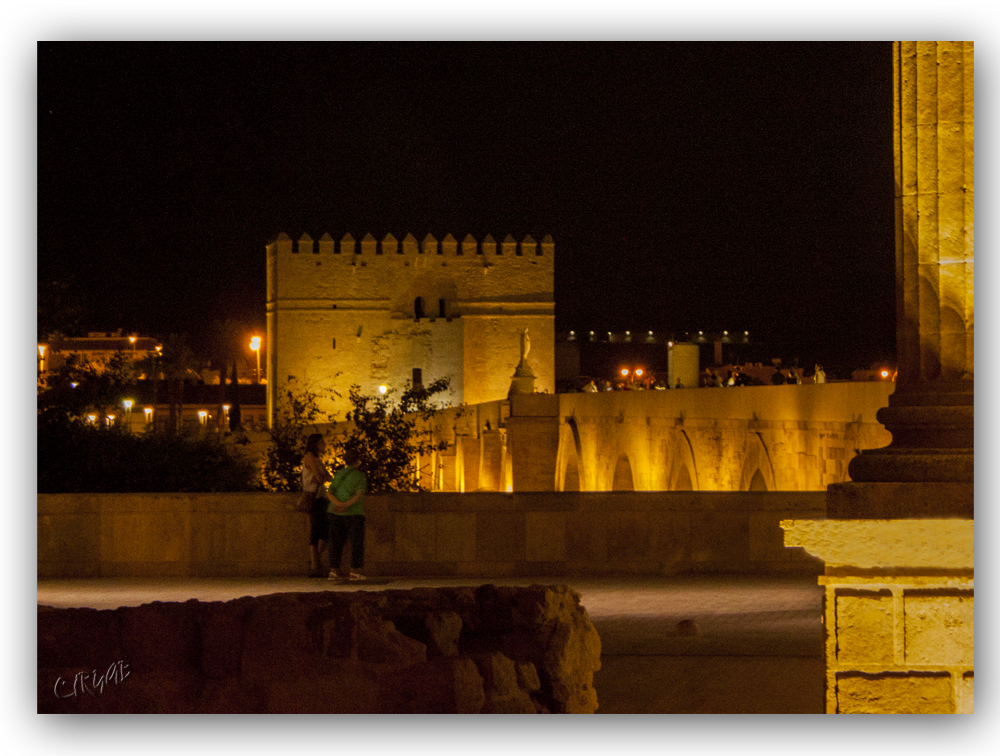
(571, 457)
(623, 475)
(683, 480)
(683, 469)
(756, 461)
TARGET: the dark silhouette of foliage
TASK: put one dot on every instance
(296, 416)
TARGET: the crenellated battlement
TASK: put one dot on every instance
(369, 246)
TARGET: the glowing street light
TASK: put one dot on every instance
(383, 389)
(255, 346)
(202, 417)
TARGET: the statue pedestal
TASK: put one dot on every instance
(523, 381)
(898, 612)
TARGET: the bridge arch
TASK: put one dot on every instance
(683, 470)
(757, 474)
(623, 480)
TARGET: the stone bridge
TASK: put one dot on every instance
(751, 438)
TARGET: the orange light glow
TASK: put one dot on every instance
(638, 372)
(885, 373)
(624, 371)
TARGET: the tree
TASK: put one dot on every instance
(235, 414)
(176, 361)
(296, 415)
(385, 437)
(76, 389)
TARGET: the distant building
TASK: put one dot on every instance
(148, 407)
(96, 350)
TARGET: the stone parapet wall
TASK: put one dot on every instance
(451, 650)
(433, 534)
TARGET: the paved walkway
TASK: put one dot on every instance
(757, 647)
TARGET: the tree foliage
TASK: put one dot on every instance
(296, 415)
(386, 438)
(382, 430)
(75, 456)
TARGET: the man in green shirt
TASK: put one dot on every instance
(346, 512)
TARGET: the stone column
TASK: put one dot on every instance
(898, 539)
(930, 415)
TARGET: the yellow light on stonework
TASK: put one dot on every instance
(383, 389)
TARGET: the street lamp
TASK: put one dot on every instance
(255, 346)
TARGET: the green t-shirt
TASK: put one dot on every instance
(346, 482)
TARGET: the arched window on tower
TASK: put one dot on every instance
(418, 308)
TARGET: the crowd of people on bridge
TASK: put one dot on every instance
(712, 378)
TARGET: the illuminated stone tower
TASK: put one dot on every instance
(384, 313)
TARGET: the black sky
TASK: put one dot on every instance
(741, 186)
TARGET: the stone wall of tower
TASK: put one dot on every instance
(369, 312)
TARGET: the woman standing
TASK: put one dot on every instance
(314, 476)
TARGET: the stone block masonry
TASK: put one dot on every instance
(423, 651)
(428, 534)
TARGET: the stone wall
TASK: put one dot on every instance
(759, 438)
(461, 650)
(433, 534)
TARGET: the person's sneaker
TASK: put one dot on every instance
(356, 576)
(333, 575)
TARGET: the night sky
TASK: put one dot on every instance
(687, 186)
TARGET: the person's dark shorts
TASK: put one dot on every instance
(319, 526)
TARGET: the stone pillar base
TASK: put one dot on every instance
(898, 613)
(893, 501)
